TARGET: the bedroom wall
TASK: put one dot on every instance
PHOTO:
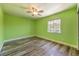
(1, 24)
(15, 26)
(68, 33)
(1, 27)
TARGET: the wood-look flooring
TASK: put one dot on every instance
(36, 47)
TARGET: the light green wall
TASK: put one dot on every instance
(1, 28)
(68, 27)
(15, 26)
(1, 24)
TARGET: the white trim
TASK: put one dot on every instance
(77, 28)
(39, 1)
(17, 38)
(59, 42)
(1, 45)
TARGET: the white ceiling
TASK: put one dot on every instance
(49, 8)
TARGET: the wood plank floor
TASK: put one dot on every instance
(36, 47)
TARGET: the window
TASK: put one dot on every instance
(54, 26)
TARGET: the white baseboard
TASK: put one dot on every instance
(1, 45)
(17, 38)
(59, 42)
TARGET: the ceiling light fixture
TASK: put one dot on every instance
(34, 10)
